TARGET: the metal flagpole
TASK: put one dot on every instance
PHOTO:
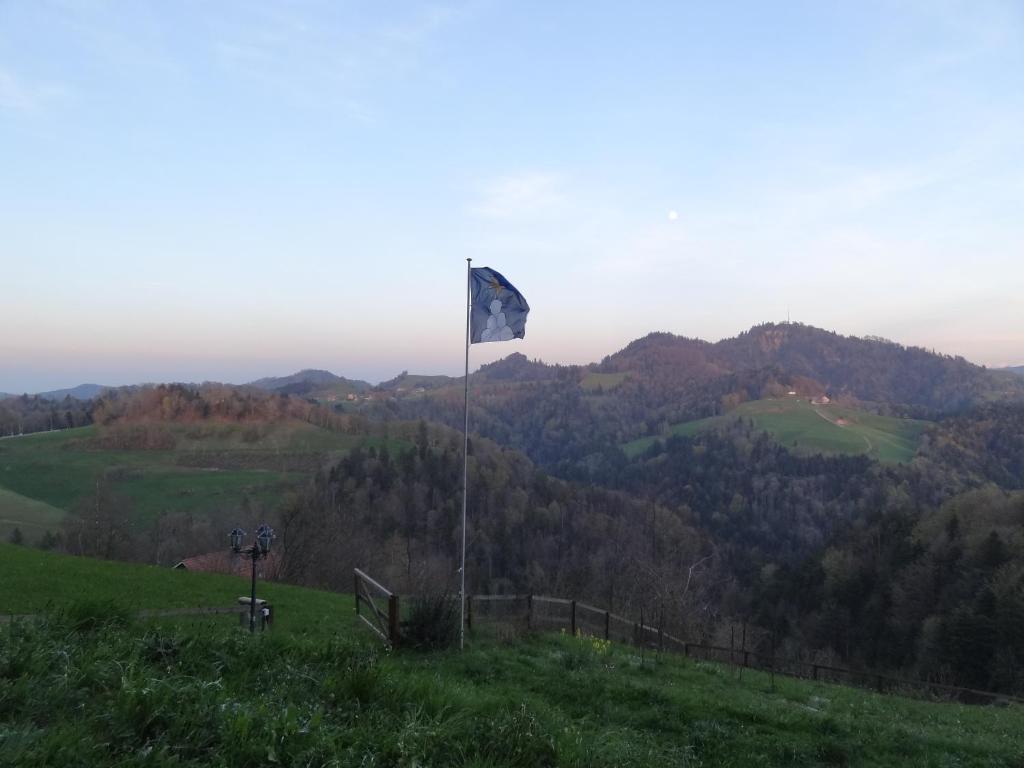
(465, 465)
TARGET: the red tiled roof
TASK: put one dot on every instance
(233, 563)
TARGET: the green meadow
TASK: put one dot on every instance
(200, 469)
(606, 381)
(33, 518)
(809, 429)
(33, 581)
(84, 684)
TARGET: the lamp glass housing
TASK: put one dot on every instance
(236, 539)
(264, 536)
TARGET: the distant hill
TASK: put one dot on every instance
(564, 416)
(408, 382)
(870, 369)
(81, 392)
(1018, 369)
(517, 367)
(311, 383)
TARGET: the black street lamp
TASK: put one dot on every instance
(261, 548)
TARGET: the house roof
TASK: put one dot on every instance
(232, 563)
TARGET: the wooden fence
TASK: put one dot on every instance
(512, 615)
(371, 594)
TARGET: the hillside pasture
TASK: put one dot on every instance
(33, 518)
(810, 429)
(33, 581)
(199, 468)
(594, 380)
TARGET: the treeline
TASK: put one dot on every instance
(984, 445)
(30, 413)
(125, 413)
(937, 595)
(183, 404)
(398, 516)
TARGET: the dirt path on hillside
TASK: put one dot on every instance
(863, 437)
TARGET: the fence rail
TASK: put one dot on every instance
(384, 623)
(512, 614)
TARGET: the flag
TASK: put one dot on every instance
(498, 310)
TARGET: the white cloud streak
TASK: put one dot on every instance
(525, 195)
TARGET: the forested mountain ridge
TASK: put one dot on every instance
(870, 369)
(565, 416)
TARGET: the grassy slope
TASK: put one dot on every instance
(130, 697)
(31, 580)
(33, 518)
(607, 381)
(314, 691)
(222, 464)
(816, 429)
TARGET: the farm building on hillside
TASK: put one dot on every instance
(233, 564)
(822, 400)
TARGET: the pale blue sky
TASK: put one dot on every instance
(194, 190)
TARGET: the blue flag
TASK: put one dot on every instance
(498, 309)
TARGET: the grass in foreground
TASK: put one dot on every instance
(87, 686)
(806, 428)
(75, 692)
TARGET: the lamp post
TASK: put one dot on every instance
(260, 548)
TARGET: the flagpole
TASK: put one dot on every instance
(465, 465)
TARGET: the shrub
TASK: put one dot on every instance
(433, 622)
(87, 615)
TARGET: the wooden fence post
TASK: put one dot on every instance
(529, 612)
(469, 611)
(814, 671)
(355, 590)
(393, 621)
(607, 625)
(573, 618)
